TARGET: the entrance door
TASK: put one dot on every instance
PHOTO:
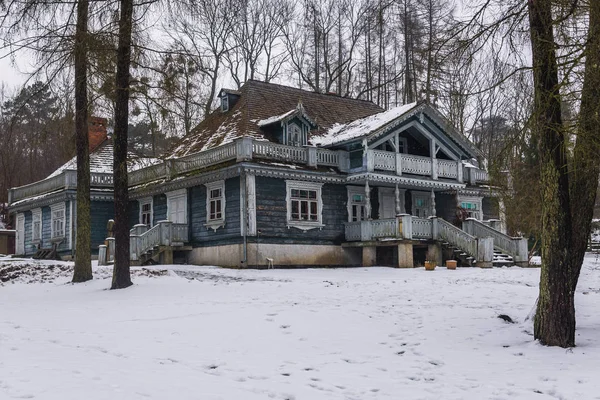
(20, 234)
(387, 203)
(421, 204)
(176, 205)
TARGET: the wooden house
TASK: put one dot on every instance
(282, 176)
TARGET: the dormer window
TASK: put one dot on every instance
(224, 103)
(295, 135)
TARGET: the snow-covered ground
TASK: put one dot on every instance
(367, 333)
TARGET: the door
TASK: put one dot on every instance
(387, 203)
(421, 205)
(177, 209)
(20, 234)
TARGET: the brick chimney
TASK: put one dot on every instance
(96, 132)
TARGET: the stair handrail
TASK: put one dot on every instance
(457, 237)
(516, 247)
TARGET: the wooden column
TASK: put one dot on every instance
(367, 201)
(397, 193)
(434, 166)
(433, 211)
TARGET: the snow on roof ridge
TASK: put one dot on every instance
(275, 118)
(360, 127)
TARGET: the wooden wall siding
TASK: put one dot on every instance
(102, 212)
(159, 208)
(134, 213)
(445, 206)
(490, 208)
(29, 249)
(408, 201)
(202, 235)
(271, 214)
(374, 202)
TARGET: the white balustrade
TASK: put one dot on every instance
(179, 233)
(353, 231)
(276, 151)
(385, 228)
(512, 246)
(328, 157)
(417, 165)
(384, 160)
(457, 237)
(421, 228)
(447, 169)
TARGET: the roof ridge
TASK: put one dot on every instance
(329, 95)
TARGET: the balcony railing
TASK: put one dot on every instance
(65, 180)
(398, 163)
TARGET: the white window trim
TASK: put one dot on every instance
(53, 208)
(352, 190)
(215, 224)
(34, 212)
(302, 140)
(143, 202)
(414, 195)
(20, 233)
(472, 199)
(301, 185)
(174, 195)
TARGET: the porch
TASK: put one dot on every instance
(476, 241)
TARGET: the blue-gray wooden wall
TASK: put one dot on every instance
(271, 214)
(63, 247)
(102, 211)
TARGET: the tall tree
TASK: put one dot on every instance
(83, 257)
(121, 274)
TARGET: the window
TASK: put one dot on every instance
(36, 225)
(421, 204)
(146, 211)
(57, 220)
(225, 103)
(304, 205)
(471, 207)
(295, 137)
(402, 145)
(356, 204)
(215, 204)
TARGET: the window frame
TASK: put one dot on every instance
(36, 212)
(352, 191)
(142, 203)
(306, 186)
(55, 208)
(478, 201)
(420, 194)
(224, 103)
(215, 223)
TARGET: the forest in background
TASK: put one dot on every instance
(457, 57)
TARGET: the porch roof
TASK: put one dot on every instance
(404, 181)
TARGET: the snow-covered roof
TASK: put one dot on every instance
(101, 161)
(361, 127)
(276, 118)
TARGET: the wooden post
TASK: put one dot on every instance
(405, 226)
(367, 201)
(485, 252)
(311, 156)
(397, 198)
(459, 171)
(399, 164)
(433, 211)
(434, 165)
(243, 148)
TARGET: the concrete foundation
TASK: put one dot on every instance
(369, 256)
(405, 255)
(258, 255)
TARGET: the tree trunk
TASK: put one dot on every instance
(586, 163)
(83, 259)
(554, 323)
(121, 274)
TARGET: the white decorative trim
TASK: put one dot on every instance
(20, 233)
(351, 191)
(36, 212)
(217, 223)
(53, 208)
(390, 191)
(302, 185)
(142, 202)
(174, 195)
(251, 203)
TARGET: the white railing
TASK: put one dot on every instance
(384, 228)
(179, 233)
(457, 237)
(276, 151)
(513, 246)
(421, 228)
(353, 231)
(474, 175)
(447, 169)
(328, 157)
(384, 160)
(65, 180)
(417, 165)
(146, 241)
(206, 158)
(147, 174)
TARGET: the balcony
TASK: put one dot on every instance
(65, 180)
(400, 164)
